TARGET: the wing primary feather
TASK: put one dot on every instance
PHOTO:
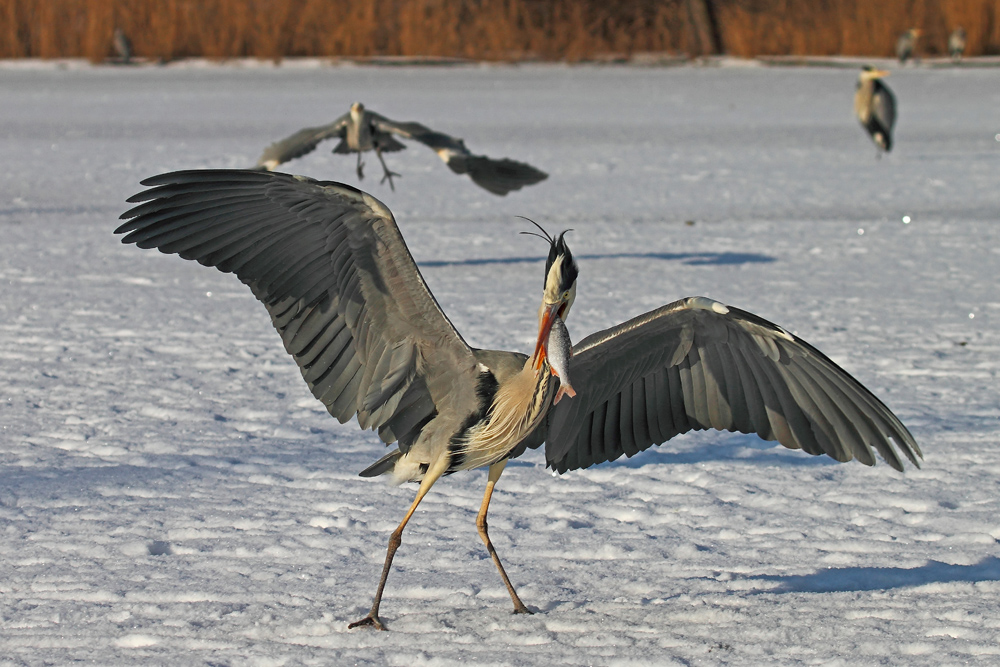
(314, 370)
(596, 441)
(346, 405)
(612, 430)
(653, 402)
(640, 424)
(755, 402)
(735, 397)
(328, 332)
(626, 441)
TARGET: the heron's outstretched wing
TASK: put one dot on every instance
(497, 176)
(330, 266)
(696, 364)
(302, 142)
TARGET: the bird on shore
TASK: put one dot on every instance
(361, 130)
(906, 45)
(875, 107)
(330, 266)
(956, 43)
(123, 46)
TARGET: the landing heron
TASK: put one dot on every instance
(361, 130)
(330, 266)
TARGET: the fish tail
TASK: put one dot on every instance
(564, 389)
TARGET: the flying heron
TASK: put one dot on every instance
(956, 43)
(329, 264)
(906, 45)
(875, 106)
(361, 130)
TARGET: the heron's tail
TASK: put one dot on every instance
(383, 465)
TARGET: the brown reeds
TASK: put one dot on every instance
(854, 27)
(487, 29)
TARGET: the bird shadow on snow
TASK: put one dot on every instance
(690, 258)
(853, 579)
(691, 448)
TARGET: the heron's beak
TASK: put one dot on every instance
(879, 73)
(547, 318)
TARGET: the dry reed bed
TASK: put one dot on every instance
(482, 29)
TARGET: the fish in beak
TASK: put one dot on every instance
(548, 316)
(559, 351)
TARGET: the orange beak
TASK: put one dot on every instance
(549, 316)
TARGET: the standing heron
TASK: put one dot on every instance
(906, 45)
(875, 106)
(956, 43)
(123, 46)
(360, 130)
(329, 264)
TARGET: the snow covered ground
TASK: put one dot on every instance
(170, 493)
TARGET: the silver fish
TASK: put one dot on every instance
(559, 350)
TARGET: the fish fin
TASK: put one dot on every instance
(564, 389)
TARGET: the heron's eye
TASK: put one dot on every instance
(565, 295)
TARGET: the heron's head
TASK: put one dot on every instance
(561, 272)
(869, 73)
(357, 109)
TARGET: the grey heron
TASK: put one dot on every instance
(875, 106)
(956, 43)
(906, 45)
(361, 130)
(331, 267)
(123, 46)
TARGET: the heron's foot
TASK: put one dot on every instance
(521, 609)
(388, 177)
(373, 621)
(361, 171)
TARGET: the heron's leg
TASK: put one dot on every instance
(495, 471)
(432, 475)
(388, 174)
(361, 166)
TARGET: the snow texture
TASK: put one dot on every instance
(170, 493)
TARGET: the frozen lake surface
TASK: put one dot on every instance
(170, 492)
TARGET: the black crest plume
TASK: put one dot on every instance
(557, 247)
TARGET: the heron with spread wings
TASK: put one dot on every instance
(361, 130)
(875, 107)
(331, 268)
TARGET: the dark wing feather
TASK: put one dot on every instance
(302, 142)
(496, 176)
(330, 266)
(696, 364)
(883, 117)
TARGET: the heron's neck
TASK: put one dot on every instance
(863, 98)
(518, 406)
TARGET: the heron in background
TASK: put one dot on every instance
(361, 130)
(330, 266)
(956, 43)
(123, 46)
(875, 106)
(906, 45)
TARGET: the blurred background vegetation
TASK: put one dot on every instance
(504, 30)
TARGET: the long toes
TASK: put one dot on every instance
(522, 610)
(369, 620)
